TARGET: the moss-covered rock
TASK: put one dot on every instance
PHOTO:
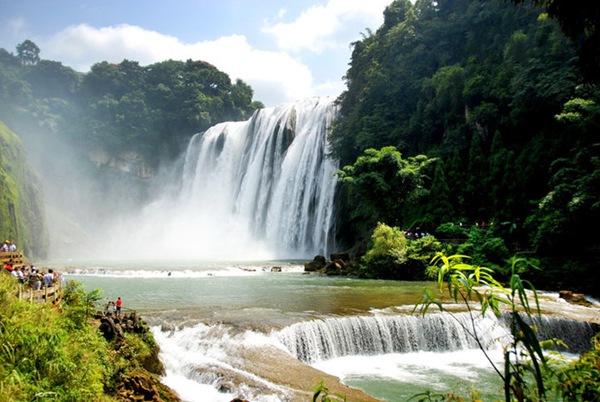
(22, 216)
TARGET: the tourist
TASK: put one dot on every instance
(35, 279)
(9, 266)
(15, 273)
(18, 273)
(118, 303)
(4, 247)
(49, 278)
(110, 306)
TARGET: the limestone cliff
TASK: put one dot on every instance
(22, 216)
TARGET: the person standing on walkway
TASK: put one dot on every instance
(49, 278)
(118, 304)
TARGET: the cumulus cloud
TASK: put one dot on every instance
(274, 76)
(329, 26)
(311, 54)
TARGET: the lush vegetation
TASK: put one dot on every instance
(495, 96)
(55, 353)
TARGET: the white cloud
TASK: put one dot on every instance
(314, 47)
(334, 25)
(275, 76)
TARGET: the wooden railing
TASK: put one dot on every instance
(51, 294)
(15, 256)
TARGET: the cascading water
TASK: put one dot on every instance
(318, 340)
(313, 341)
(259, 189)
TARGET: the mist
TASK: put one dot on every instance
(262, 189)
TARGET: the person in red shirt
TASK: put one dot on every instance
(9, 266)
(118, 304)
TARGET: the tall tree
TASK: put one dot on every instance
(28, 53)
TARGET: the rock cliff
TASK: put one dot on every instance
(22, 214)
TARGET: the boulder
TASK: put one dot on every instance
(574, 298)
(565, 294)
(316, 264)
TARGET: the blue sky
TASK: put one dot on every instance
(286, 50)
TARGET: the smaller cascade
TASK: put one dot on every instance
(575, 334)
(320, 340)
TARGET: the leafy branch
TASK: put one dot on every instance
(475, 285)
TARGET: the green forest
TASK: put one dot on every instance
(501, 105)
(472, 121)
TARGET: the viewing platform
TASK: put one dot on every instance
(51, 294)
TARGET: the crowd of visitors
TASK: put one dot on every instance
(27, 274)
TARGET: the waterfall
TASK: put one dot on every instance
(318, 340)
(256, 190)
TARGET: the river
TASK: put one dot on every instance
(242, 329)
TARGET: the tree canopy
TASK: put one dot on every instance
(122, 106)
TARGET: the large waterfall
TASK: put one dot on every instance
(259, 189)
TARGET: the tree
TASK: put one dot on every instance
(387, 254)
(381, 185)
(28, 53)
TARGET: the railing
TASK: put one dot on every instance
(46, 294)
(15, 256)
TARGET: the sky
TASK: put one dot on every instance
(285, 50)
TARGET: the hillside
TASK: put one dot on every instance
(494, 93)
(22, 213)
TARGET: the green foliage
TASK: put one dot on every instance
(450, 230)
(579, 380)
(122, 106)
(387, 254)
(22, 215)
(473, 284)
(421, 251)
(494, 93)
(53, 353)
(79, 305)
(485, 248)
(382, 184)
(44, 357)
(28, 52)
